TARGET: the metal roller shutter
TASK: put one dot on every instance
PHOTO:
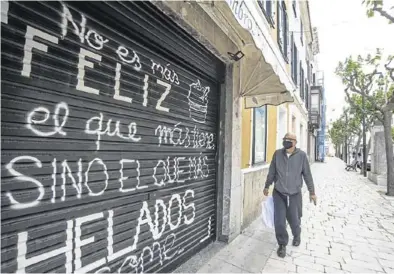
(109, 122)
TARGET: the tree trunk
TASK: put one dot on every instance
(369, 145)
(358, 143)
(389, 152)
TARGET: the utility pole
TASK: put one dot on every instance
(364, 140)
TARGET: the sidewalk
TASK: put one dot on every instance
(351, 230)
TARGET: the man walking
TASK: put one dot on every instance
(289, 165)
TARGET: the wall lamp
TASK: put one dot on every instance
(236, 56)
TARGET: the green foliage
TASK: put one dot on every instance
(337, 132)
(392, 133)
(377, 6)
(362, 78)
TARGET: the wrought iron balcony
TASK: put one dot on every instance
(314, 120)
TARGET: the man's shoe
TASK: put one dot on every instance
(296, 242)
(281, 251)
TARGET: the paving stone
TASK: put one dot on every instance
(387, 263)
(341, 246)
(309, 264)
(350, 231)
(356, 269)
(365, 257)
(301, 269)
(315, 247)
(363, 265)
(339, 252)
(328, 263)
(298, 253)
(323, 242)
(388, 270)
(275, 266)
(386, 256)
(219, 266)
(332, 270)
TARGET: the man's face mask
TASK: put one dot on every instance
(287, 143)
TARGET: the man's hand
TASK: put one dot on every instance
(265, 191)
(313, 199)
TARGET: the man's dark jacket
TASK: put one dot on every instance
(287, 172)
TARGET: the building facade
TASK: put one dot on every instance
(136, 133)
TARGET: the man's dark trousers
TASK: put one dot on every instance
(290, 208)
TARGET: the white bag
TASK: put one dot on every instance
(267, 212)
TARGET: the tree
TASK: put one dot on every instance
(337, 132)
(362, 77)
(356, 110)
(377, 6)
(387, 12)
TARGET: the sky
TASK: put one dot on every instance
(344, 29)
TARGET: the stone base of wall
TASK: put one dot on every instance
(253, 186)
(380, 180)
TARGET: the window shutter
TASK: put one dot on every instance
(280, 24)
(288, 49)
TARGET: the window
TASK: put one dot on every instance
(302, 33)
(301, 142)
(308, 71)
(293, 124)
(307, 96)
(314, 79)
(283, 30)
(294, 61)
(259, 134)
(295, 8)
(267, 8)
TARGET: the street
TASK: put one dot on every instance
(351, 230)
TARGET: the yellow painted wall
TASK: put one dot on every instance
(272, 129)
(246, 136)
(247, 131)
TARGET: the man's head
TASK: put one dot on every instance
(289, 141)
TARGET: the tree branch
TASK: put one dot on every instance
(382, 12)
(363, 93)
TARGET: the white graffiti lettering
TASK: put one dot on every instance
(198, 102)
(97, 42)
(74, 254)
(123, 178)
(58, 128)
(98, 39)
(99, 161)
(123, 54)
(77, 186)
(4, 11)
(209, 230)
(79, 243)
(81, 70)
(23, 262)
(179, 136)
(176, 197)
(162, 97)
(67, 17)
(20, 177)
(197, 166)
(132, 130)
(117, 95)
(165, 72)
(30, 44)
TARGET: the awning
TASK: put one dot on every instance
(264, 80)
